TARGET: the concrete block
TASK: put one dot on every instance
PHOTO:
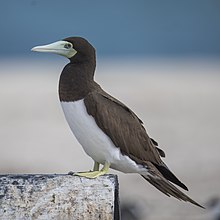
(58, 196)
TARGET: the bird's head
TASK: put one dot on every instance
(72, 48)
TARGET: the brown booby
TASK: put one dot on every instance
(109, 132)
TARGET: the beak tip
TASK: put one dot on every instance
(33, 49)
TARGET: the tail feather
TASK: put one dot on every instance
(168, 189)
(167, 174)
(157, 179)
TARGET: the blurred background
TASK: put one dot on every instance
(161, 58)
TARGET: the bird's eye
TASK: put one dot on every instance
(67, 46)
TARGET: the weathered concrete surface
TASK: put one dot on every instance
(58, 197)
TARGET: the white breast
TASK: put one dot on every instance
(93, 140)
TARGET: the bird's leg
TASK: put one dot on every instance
(96, 166)
(95, 174)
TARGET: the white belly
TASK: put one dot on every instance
(93, 140)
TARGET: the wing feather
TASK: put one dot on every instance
(122, 125)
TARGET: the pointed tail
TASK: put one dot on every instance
(169, 189)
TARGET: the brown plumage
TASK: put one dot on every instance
(116, 120)
(127, 132)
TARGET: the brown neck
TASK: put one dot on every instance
(77, 79)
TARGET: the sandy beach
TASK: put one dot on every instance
(178, 101)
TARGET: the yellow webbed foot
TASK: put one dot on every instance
(94, 174)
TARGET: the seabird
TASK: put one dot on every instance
(109, 132)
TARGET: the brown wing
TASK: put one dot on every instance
(160, 151)
(123, 127)
(126, 131)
